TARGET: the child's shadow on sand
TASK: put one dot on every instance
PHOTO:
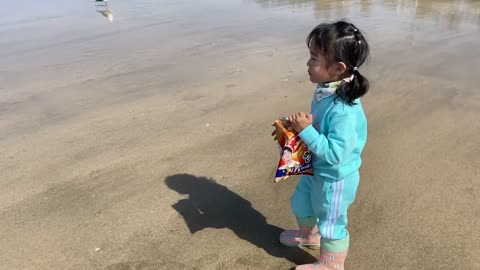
(211, 205)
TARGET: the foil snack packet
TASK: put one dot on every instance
(295, 158)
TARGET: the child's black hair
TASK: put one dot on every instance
(343, 42)
(288, 148)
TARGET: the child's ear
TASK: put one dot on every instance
(340, 68)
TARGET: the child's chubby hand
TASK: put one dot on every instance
(300, 121)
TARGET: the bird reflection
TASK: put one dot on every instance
(107, 13)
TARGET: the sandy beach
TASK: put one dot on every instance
(145, 143)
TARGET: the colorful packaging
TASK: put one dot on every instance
(295, 158)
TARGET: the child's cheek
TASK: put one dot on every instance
(317, 71)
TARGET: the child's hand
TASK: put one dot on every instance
(301, 120)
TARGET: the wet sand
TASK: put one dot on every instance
(144, 143)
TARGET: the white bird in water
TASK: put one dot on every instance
(107, 14)
(102, 1)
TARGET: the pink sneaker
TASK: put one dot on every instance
(327, 261)
(308, 237)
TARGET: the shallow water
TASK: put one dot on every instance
(72, 40)
(70, 53)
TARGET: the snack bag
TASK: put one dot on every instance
(295, 158)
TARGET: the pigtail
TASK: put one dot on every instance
(356, 88)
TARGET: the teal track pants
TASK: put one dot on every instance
(327, 200)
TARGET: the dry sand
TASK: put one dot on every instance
(144, 144)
